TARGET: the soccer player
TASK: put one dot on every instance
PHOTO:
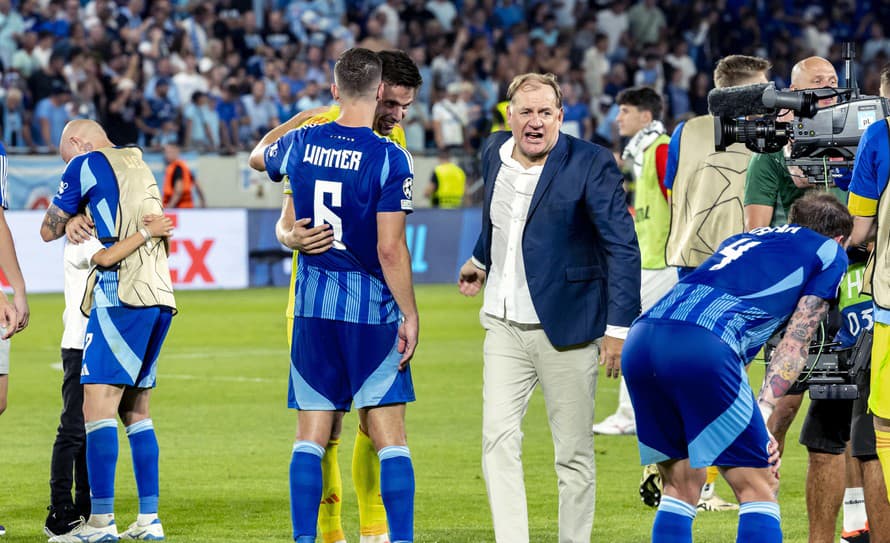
(130, 305)
(68, 463)
(694, 407)
(13, 316)
(705, 192)
(401, 81)
(870, 205)
(356, 322)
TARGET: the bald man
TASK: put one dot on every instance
(130, 307)
(771, 187)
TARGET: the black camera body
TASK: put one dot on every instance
(822, 138)
(831, 371)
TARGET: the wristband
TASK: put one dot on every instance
(145, 234)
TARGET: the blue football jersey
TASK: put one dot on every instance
(343, 176)
(753, 283)
(4, 171)
(89, 182)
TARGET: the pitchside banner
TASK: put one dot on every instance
(440, 240)
(208, 250)
(34, 179)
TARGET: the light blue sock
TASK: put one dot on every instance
(759, 521)
(673, 521)
(397, 491)
(144, 448)
(101, 462)
(305, 489)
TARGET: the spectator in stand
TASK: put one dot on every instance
(549, 32)
(388, 15)
(676, 96)
(876, 43)
(416, 123)
(650, 72)
(450, 119)
(680, 61)
(596, 65)
(25, 60)
(613, 22)
(163, 72)
(188, 80)
(508, 14)
(276, 34)
(160, 112)
(41, 82)
(51, 115)
(311, 97)
(231, 116)
(16, 130)
(285, 104)
(124, 107)
(201, 124)
(260, 113)
(11, 25)
(646, 22)
(576, 117)
(444, 11)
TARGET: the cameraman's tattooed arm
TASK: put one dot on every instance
(790, 357)
(54, 222)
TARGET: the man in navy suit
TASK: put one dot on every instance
(563, 266)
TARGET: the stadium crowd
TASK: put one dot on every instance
(215, 76)
(221, 76)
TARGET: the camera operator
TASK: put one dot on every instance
(870, 204)
(771, 187)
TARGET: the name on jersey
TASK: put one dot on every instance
(345, 159)
(767, 229)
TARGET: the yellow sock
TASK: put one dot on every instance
(712, 475)
(882, 444)
(366, 477)
(332, 490)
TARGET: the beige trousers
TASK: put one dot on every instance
(517, 358)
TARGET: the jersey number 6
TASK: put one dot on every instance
(324, 214)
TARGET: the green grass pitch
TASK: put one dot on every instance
(225, 433)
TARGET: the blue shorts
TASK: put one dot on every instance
(122, 345)
(335, 364)
(691, 397)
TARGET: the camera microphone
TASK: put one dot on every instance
(739, 101)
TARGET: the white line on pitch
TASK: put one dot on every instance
(227, 378)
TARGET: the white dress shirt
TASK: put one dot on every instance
(506, 292)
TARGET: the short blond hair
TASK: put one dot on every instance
(535, 80)
(736, 70)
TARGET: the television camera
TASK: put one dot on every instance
(824, 132)
(831, 371)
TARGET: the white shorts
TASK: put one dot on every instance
(4, 353)
(654, 284)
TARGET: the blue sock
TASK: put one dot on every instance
(759, 521)
(305, 489)
(397, 491)
(144, 448)
(101, 462)
(673, 521)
